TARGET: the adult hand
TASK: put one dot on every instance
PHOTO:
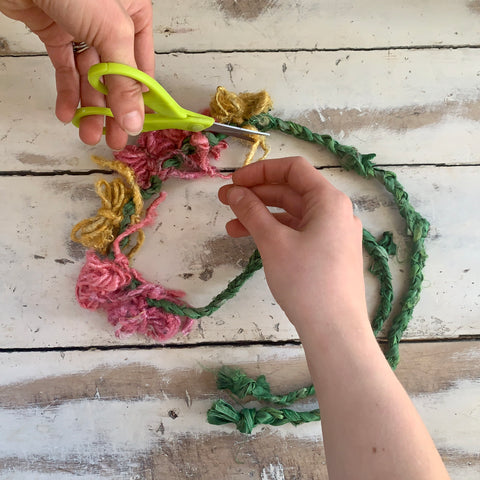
(117, 31)
(312, 251)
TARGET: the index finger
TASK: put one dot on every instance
(144, 50)
(297, 172)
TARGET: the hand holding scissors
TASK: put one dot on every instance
(167, 112)
(79, 34)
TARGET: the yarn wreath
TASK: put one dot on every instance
(108, 282)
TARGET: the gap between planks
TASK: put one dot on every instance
(55, 173)
(281, 50)
(240, 343)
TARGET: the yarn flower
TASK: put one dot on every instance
(143, 165)
(113, 286)
(130, 313)
(100, 279)
(171, 153)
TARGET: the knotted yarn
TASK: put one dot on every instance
(247, 419)
(99, 232)
(237, 109)
(172, 153)
(193, 164)
(229, 107)
(241, 385)
(114, 286)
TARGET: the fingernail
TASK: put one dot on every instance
(235, 195)
(132, 123)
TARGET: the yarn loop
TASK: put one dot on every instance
(98, 232)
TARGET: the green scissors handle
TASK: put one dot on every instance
(168, 114)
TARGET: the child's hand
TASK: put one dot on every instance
(312, 252)
(312, 256)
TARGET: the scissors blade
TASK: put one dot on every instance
(233, 131)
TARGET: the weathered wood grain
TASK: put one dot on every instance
(189, 250)
(412, 107)
(278, 24)
(142, 412)
(126, 413)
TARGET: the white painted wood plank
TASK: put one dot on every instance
(409, 107)
(310, 24)
(141, 414)
(188, 250)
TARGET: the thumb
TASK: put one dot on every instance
(253, 215)
(126, 102)
(124, 94)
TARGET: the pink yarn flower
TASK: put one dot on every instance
(99, 279)
(132, 314)
(200, 159)
(142, 164)
(105, 284)
(161, 144)
(153, 149)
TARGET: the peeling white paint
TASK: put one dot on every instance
(83, 429)
(273, 472)
(89, 429)
(370, 24)
(16, 370)
(19, 474)
(453, 416)
(399, 79)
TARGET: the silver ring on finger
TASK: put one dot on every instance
(79, 47)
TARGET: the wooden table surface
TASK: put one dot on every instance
(398, 78)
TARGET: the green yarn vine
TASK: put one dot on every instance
(241, 385)
(417, 227)
(248, 418)
(236, 381)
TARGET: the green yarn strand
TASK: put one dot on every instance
(350, 158)
(418, 229)
(237, 382)
(417, 226)
(379, 253)
(241, 385)
(247, 419)
(129, 208)
(254, 264)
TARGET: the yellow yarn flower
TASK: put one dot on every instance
(228, 107)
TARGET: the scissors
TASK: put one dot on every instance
(168, 114)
